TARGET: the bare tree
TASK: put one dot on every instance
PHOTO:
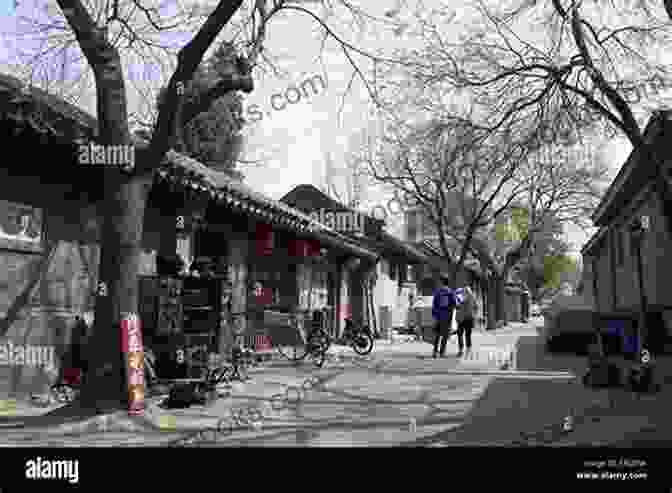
(557, 188)
(453, 172)
(467, 178)
(99, 31)
(594, 66)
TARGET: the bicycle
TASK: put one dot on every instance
(236, 370)
(315, 346)
(359, 337)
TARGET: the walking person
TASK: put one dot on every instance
(443, 308)
(466, 315)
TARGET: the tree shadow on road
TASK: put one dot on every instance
(512, 407)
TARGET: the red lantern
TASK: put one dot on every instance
(300, 248)
(314, 248)
(264, 239)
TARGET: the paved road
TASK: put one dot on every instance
(398, 395)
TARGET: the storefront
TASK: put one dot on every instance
(294, 276)
(198, 233)
(254, 263)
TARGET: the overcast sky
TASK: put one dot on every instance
(291, 143)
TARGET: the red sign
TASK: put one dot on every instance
(131, 345)
(345, 311)
(262, 343)
(264, 239)
(264, 296)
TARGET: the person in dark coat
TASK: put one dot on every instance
(443, 307)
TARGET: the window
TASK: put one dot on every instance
(393, 271)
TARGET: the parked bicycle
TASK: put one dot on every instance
(359, 337)
(217, 372)
(315, 345)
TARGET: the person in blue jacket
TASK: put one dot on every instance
(443, 306)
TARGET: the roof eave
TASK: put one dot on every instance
(605, 208)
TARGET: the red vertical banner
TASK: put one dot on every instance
(264, 239)
(131, 345)
(345, 311)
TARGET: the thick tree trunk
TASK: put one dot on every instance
(125, 198)
(123, 213)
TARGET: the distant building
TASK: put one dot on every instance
(386, 291)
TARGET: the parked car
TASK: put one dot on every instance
(570, 320)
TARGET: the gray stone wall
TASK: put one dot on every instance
(40, 294)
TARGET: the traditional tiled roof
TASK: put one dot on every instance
(635, 172)
(405, 247)
(391, 245)
(48, 113)
(375, 239)
(237, 195)
(44, 112)
(594, 241)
